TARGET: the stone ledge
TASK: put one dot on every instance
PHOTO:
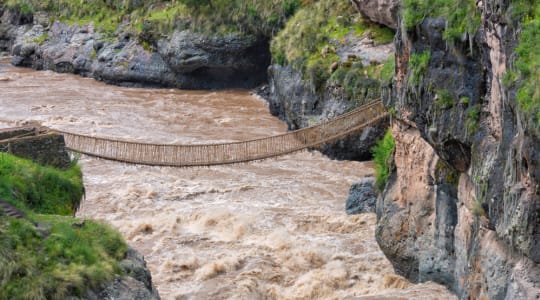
(35, 144)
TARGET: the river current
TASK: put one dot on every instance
(273, 229)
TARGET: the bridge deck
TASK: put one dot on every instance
(227, 153)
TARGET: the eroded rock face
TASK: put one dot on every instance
(417, 213)
(183, 60)
(294, 101)
(379, 11)
(469, 217)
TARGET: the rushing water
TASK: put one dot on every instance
(273, 229)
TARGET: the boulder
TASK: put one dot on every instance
(362, 197)
(379, 11)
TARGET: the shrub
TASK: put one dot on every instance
(382, 151)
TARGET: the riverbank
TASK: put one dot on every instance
(45, 253)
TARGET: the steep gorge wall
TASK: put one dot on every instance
(462, 206)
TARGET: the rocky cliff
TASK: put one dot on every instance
(327, 61)
(134, 284)
(462, 205)
(183, 59)
(380, 11)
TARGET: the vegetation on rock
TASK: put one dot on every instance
(310, 39)
(159, 17)
(418, 63)
(62, 256)
(462, 16)
(42, 189)
(527, 64)
(382, 152)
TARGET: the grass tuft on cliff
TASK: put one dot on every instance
(462, 16)
(382, 153)
(65, 256)
(526, 73)
(157, 17)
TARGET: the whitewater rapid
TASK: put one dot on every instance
(273, 229)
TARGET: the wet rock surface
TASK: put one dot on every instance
(362, 197)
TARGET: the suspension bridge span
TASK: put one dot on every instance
(226, 153)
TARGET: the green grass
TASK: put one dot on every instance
(445, 99)
(382, 151)
(21, 6)
(473, 117)
(387, 71)
(527, 64)
(42, 189)
(317, 26)
(252, 17)
(65, 263)
(40, 39)
(463, 17)
(309, 41)
(418, 63)
(65, 259)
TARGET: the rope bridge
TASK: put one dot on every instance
(226, 153)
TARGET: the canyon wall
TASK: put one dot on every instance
(462, 204)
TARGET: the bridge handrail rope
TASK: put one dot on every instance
(226, 153)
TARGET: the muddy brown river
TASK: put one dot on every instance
(273, 229)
